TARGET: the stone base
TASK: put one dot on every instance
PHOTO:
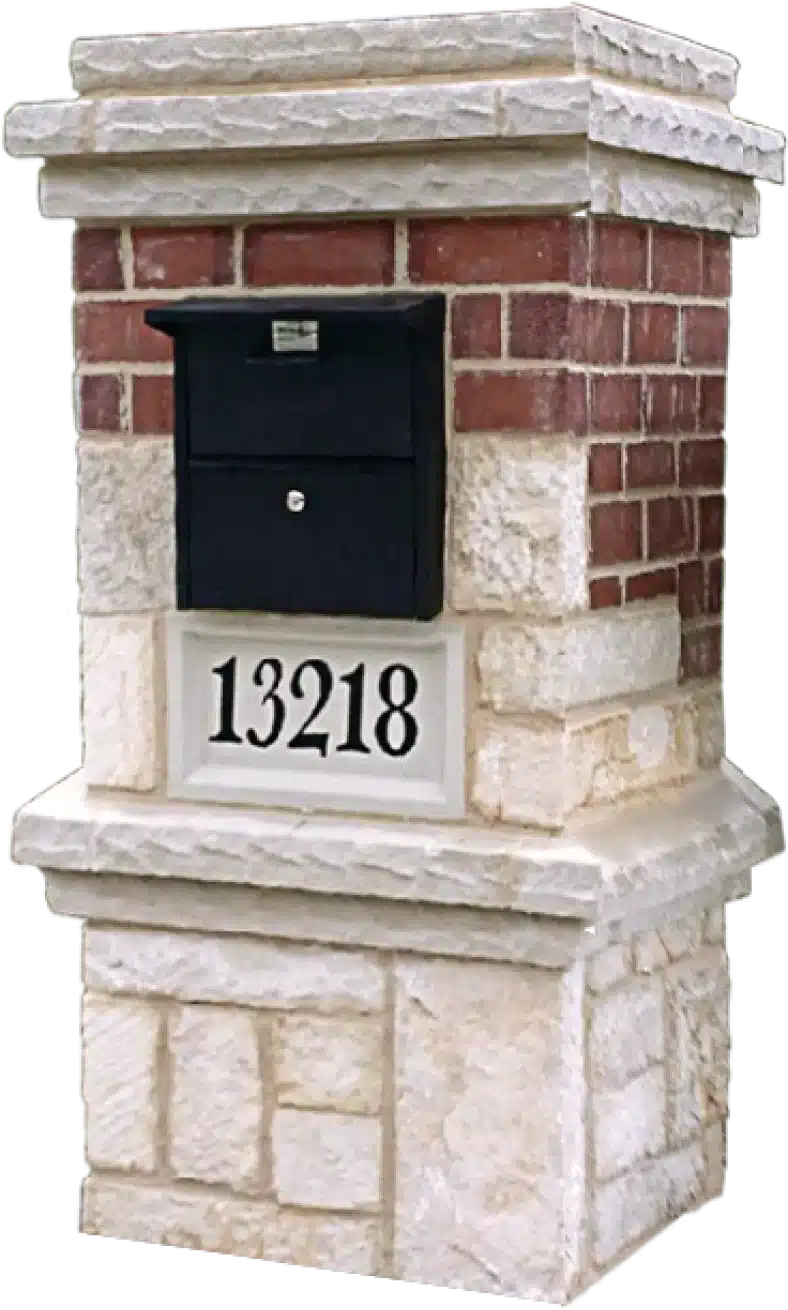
(462, 1093)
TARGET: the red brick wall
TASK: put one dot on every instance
(613, 332)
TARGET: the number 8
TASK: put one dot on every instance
(397, 707)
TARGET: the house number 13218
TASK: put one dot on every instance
(396, 729)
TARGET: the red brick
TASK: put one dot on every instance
(603, 593)
(116, 330)
(183, 256)
(152, 405)
(510, 402)
(675, 261)
(701, 652)
(579, 228)
(539, 325)
(711, 412)
(596, 332)
(577, 403)
(499, 249)
(319, 254)
(692, 589)
(705, 335)
(671, 404)
(715, 585)
(716, 264)
(648, 586)
(99, 403)
(711, 518)
(616, 403)
(619, 254)
(650, 464)
(604, 468)
(653, 334)
(96, 259)
(702, 463)
(671, 526)
(476, 327)
(616, 532)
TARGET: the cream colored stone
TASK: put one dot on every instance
(657, 191)
(119, 1052)
(711, 727)
(216, 1099)
(650, 951)
(518, 526)
(326, 1161)
(609, 967)
(328, 1064)
(639, 1202)
(539, 772)
(716, 1152)
(629, 1123)
(682, 937)
(627, 1033)
(204, 1220)
(714, 926)
(231, 971)
(481, 1169)
(530, 668)
(698, 1043)
(126, 526)
(119, 703)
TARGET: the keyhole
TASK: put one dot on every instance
(296, 501)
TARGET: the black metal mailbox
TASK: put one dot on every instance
(310, 453)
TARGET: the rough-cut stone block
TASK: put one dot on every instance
(698, 1043)
(682, 937)
(716, 1150)
(118, 702)
(519, 536)
(629, 1123)
(325, 1063)
(326, 1161)
(611, 966)
(216, 1098)
(714, 927)
(650, 952)
(711, 727)
(204, 1220)
(232, 970)
(119, 1044)
(627, 1033)
(639, 1202)
(126, 526)
(539, 773)
(531, 668)
(481, 1074)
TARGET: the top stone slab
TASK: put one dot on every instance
(569, 40)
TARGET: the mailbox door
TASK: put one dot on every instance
(349, 549)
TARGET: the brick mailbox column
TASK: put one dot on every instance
(462, 1021)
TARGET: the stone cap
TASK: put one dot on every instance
(407, 115)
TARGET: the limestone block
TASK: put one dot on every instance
(216, 1097)
(231, 970)
(126, 530)
(629, 1123)
(650, 952)
(716, 1149)
(627, 1033)
(711, 726)
(119, 702)
(628, 1208)
(714, 926)
(204, 1220)
(540, 771)
(698, 1043)
(326, 1161)
(119, 1054)
(328, 1063)
(609, 967)
(532, 668)
(518, 526)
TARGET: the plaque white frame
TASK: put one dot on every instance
(191, 778)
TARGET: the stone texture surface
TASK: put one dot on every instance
(480, 1168)
(119, 1044)
(539, 772)
(173, 1215)
(119, 704)
(711, 726)
(263, 974)
(627, 1033)
(629, 1123)
(698, 1033)
(527, 668)
(518, 526)
(126, 532)
(641, 1201)
(326, 1161)
(216, 1098)
(325, 1063)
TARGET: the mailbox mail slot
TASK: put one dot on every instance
(310, 454)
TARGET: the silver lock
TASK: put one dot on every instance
(296, 501)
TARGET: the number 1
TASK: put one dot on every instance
(227, 675)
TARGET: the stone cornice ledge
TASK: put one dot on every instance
(609, 868)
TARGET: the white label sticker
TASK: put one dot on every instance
(295, 334)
